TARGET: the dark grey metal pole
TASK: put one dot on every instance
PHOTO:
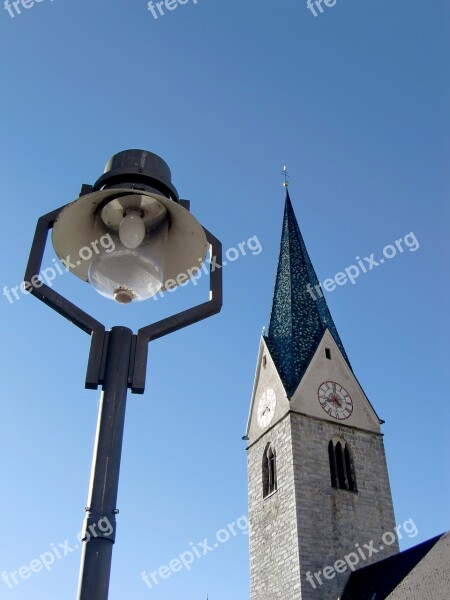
(100, 523)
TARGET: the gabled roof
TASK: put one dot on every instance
(379, 580)
(300, 313)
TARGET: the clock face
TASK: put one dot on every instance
(266, 407)
(335, 400)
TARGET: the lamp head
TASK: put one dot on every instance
(130, 237)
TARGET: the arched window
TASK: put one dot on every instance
(269, 471)
(341, 466)
(333, 468)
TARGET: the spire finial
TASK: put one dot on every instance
(286, 176)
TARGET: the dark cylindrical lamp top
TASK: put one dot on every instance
(138, 168)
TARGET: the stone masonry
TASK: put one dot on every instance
(307, 525)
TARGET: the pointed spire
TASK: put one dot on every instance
(300, 314)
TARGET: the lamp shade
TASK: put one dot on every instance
(129, 244)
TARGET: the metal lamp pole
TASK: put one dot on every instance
(118, 358)
(102, 504)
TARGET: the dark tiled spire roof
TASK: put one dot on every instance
(297, 321)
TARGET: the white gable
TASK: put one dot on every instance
(266, 376)
(322, 369)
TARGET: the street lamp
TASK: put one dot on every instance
(156, 245)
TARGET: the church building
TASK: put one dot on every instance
(322, 523)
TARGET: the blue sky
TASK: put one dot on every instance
(355, 103)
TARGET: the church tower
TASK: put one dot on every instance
(318, 483)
